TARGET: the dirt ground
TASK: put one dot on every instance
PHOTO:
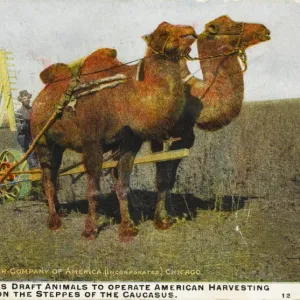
(236, 202)
(260, 241)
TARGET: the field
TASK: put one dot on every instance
(236, 202)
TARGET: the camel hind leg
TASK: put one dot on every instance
(50, 157)
(129, 149)
(165, 179)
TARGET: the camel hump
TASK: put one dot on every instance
(99, 60)
(55, 72)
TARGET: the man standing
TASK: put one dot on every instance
(23, 127)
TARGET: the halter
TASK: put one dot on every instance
(163, 53)
(238, 49)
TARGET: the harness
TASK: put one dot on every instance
(69, 99)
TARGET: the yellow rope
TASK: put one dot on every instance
(31, 148)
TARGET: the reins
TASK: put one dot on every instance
(241, 53)
(103, 70)
(187, 56)
(155, 52)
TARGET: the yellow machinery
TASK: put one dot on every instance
(7, 120)
(7, 115)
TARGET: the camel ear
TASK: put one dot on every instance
(212, 28)
(146, 38)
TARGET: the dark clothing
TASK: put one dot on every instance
(24, 137)
(24, 114)
(23, 121)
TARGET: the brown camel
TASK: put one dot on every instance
(213, 102)
(124, 115)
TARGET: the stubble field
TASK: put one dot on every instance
(236, 202)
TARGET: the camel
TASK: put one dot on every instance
(212, 103)
(125, 115)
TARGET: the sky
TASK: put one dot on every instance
(40, 33)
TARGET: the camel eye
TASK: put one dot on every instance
(212, 29)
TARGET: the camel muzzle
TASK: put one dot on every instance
(190, 36)
(268, 34)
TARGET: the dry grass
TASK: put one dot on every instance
(259, 242)
(236, 202)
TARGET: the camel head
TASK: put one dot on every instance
(171, 40)
(224, 35)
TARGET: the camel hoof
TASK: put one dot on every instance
(88, 235)
(165, 223)
(127, 231)
(54, 222)
(62, 213)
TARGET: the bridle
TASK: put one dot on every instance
(238, 49)
(162, 52)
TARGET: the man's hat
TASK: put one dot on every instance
(24, 94)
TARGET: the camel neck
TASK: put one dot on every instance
(221, 92)
(158, 66)
(159, 97)
(227, 65)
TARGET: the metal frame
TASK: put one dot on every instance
(7, 107)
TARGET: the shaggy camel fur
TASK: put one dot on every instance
(125, 115)
(212, 103)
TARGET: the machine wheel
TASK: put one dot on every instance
(9, 191)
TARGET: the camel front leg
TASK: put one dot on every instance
(92, 159)
(125, 165)
(165, 180)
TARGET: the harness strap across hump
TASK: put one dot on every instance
(100, 58)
